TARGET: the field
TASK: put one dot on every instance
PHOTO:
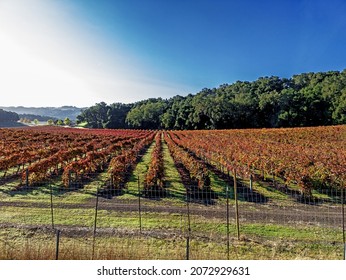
(68, 193)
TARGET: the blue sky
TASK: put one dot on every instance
(79, 52)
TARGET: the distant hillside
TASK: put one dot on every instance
(11, 124)
(8, 116)
(9, 119)
(36, 117)
(70, 112)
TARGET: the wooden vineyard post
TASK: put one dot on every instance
(236, 203)
(343, 219)
(51, 205)
(227, 225)
(188, 227)
(26, 178)
(112, 185)
(181, 224)
(57, 244)
(139, 206)
(95, 222)
(69, 179)
(251, 182)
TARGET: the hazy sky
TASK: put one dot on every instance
(79, 52)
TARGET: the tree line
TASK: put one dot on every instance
(308, 99)
(8, 116)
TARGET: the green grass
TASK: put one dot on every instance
(172, 177)
(42, 216)
(173, 184)
(139, 173)
(163, 221)
(269, 192)
(83, 124)
(39, 194)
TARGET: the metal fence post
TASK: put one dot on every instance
(343, 221)
(51, 205)
(227, 220)
(139, 206)
(95, 222)
(188, 227)
(27, 178)
(57, 244)
(236, 203)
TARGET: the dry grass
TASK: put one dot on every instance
(38, 245)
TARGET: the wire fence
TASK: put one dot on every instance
(91, 221)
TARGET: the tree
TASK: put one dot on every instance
(339, 115)
(147, 115)
(95, 116)
(67, 121)
(269, 108)
(116, 115)
(168, 118)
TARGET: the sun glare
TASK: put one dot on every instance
(36, 69)
(50, 57)
(30, 79)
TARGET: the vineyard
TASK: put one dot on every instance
(255, 193)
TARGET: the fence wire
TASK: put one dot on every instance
(92, 221)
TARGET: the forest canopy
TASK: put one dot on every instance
(308, 99)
